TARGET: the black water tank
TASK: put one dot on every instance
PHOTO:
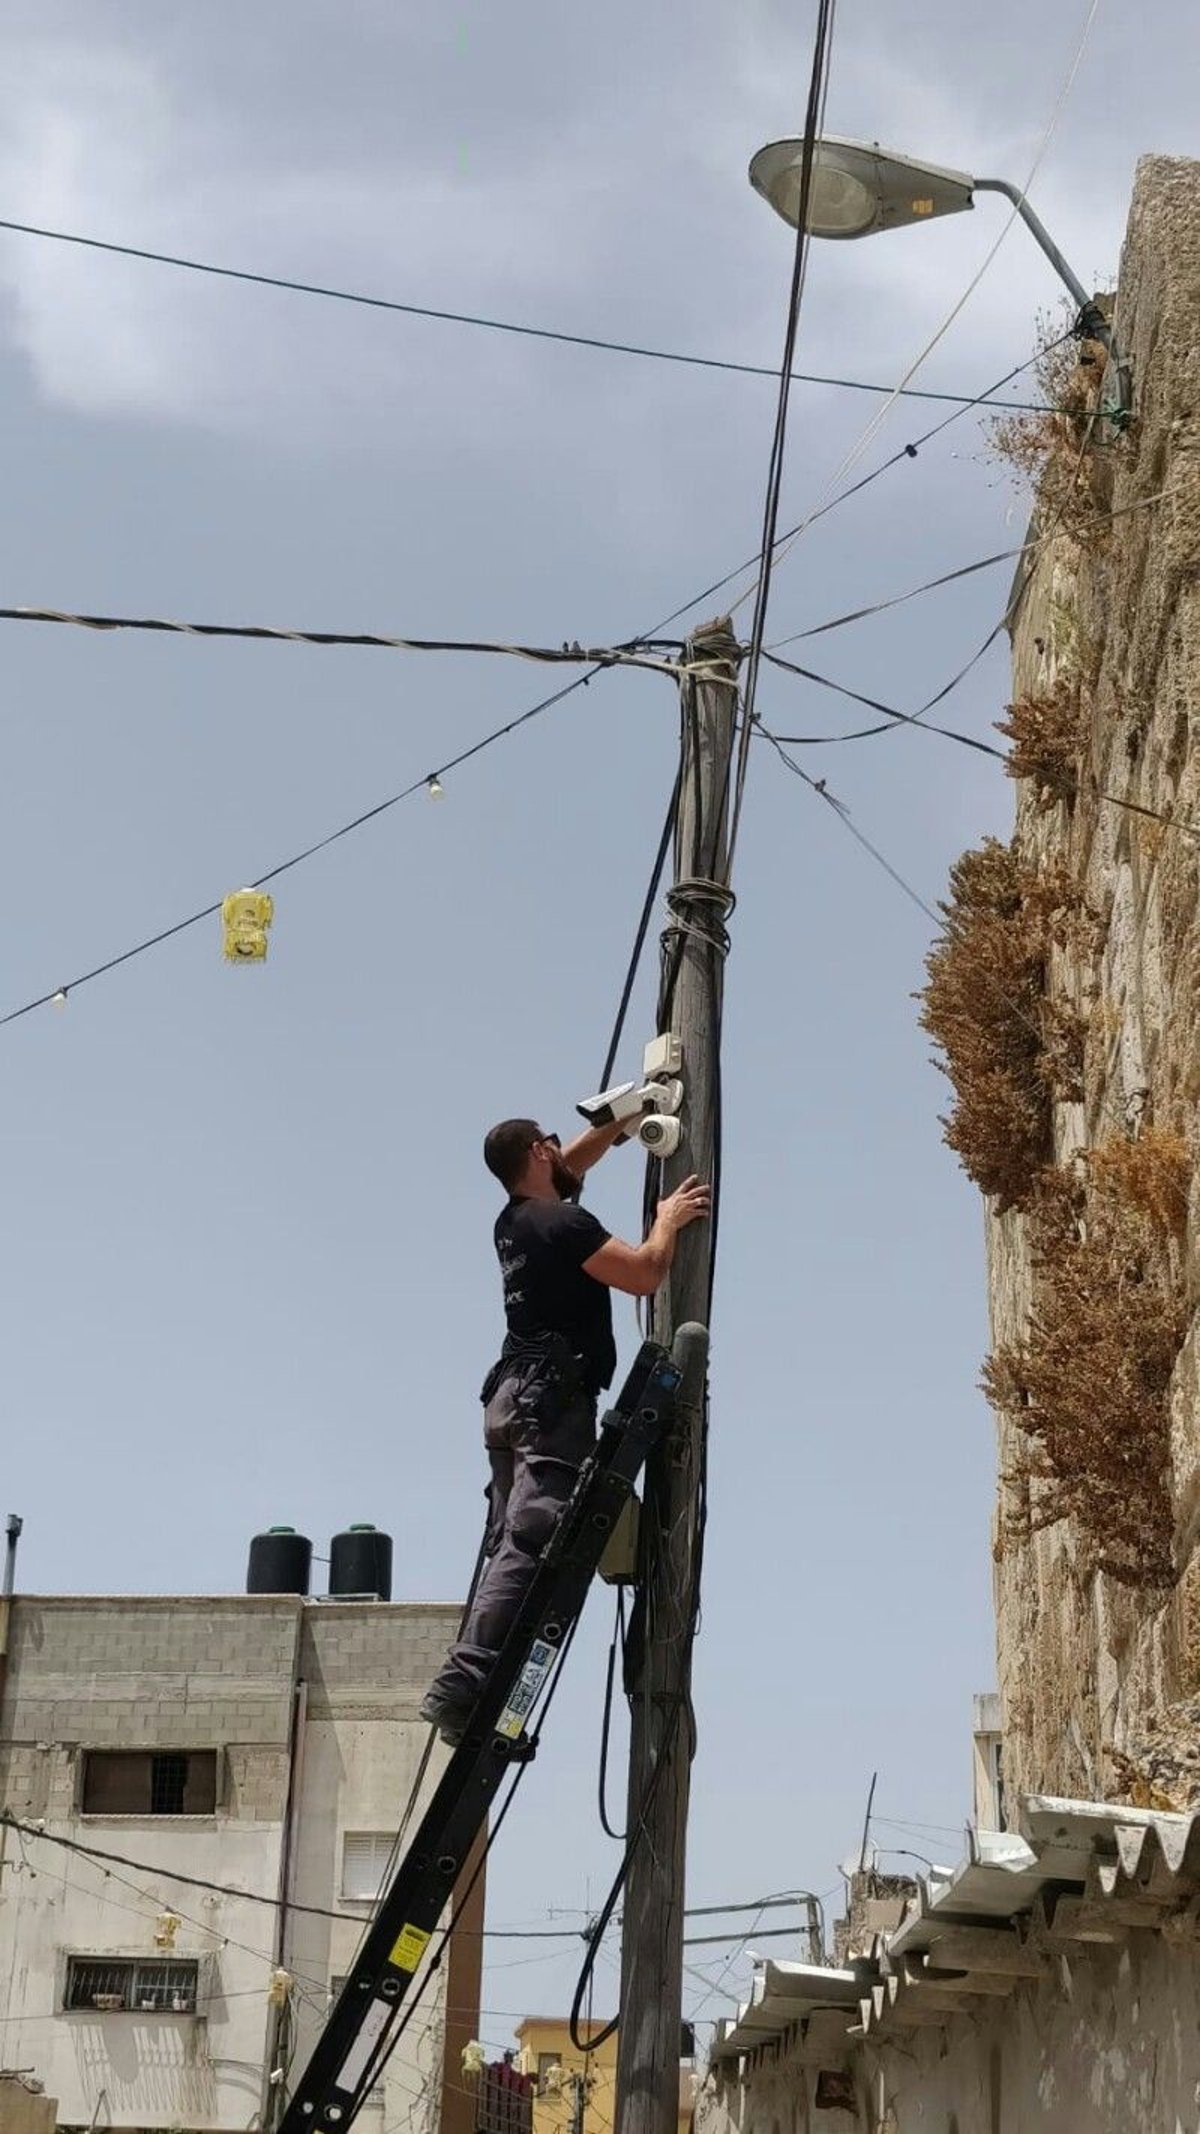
(280, 1562)
(360, 1562)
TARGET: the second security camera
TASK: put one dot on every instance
(660, 1133)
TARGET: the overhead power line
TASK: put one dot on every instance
(891, 716)
(104, 1858)
(907, 452)
(894, 718)
(964, 570)
(544, 655)
(880, 416)
(770, 546)
(646, 639)
(470, 318)
(357, 822)
(843, 816)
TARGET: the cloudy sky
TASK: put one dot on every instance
(247, 1265)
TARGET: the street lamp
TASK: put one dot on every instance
(857, 188)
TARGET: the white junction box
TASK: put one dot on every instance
(662, 1056)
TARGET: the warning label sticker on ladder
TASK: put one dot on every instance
(408, 1948)
(525, 1695)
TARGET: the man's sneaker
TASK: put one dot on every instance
(448, 1714)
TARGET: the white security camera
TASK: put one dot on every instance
(624, 1101)
(660, 1133)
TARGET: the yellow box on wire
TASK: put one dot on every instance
(245, 916)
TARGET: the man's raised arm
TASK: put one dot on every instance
(594, 1142)
(638, 1270)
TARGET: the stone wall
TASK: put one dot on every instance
(1095, 1673)
(1109, 2044)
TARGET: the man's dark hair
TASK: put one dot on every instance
(506, 1148)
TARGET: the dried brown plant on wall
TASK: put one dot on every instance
(1152, 1175)
(1088, 1384)
(1048, 733)
(1007, 1049)
(1056, 450)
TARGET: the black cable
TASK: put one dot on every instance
(120, 1859)
(906, 888)
(643, 926)
(898, 600)
(892, 717)
(917, 719)
(639, 940)
(843, 817)
(618, 1637)
(61, 992)
(906, 452)
(466, 318)
(600, 1924)
(886, 726)
(631, 1839)
(921, 718)
(817, 92)
(681, 1706)
(419, 785)
(155, 1868)
(564, 655)
(932, 585)
(910, 451)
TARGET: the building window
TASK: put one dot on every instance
(112, 1984)
(149, 1782)
(546, 2080)
(366, 1858)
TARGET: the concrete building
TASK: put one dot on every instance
(245, 1762)
(576, 2092)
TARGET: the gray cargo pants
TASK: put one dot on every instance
(537, 1437)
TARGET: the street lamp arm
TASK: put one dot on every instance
(1038, 228)
(1091, 324)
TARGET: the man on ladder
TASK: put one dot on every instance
(559, 1266)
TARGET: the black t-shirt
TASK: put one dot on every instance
(541, 1246)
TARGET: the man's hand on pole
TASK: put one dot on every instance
(687, 1204)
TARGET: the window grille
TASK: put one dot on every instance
(149, 1782)
(114, 1984)
(168, 1784)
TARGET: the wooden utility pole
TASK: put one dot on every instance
(661, 1745)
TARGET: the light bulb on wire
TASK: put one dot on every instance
(434, 787)
(59, 999)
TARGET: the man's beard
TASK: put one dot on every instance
(567, 1184)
